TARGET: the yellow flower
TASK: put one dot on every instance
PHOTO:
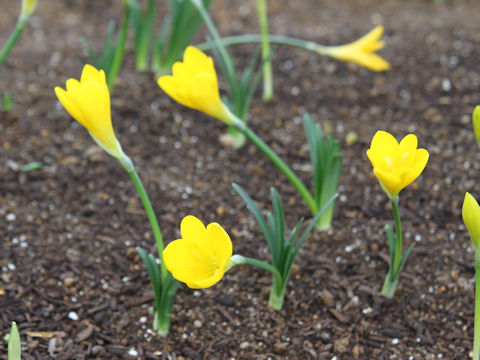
(362, 51)
(476, 124)
(88, 101)
(194, 84)
(200, 257)
(28, 7)
(471, 217)
(396, 165)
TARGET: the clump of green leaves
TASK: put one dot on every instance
(283, 247)
(327, 165)
(176, 33)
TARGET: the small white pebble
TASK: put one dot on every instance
(72, 315)
(395, 341)
(11, 267)
(197, 323)
(143, 319)
(367, 310)
(133, 352)
(11, 217)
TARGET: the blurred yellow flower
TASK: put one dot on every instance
(200, 257)
(362, 51)
(476, 124)
(88, 101)
(396, 165)
(28, 7)
(194, 84)
(471, 218)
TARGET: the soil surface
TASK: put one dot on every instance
(70, 276)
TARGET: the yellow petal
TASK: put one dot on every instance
(72, 85)
(471, 218)
(419, 163)
(408, 148)
(177, 90)
(197, 62)
(204, 95)
(200, 257)
(383, 150)
(221, 244)
(192, 229)
(476, 124)
(89, 73)
(183, 263)
(205, 283)
(69, 104)
(362, 51)
(391, 182)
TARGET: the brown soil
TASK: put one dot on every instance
(68, 230)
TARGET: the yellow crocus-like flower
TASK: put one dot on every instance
(88, 101)
(471, 218)
(194, 84)
(200, 257)
(362, 51)
(28, 7)
(476, 124)
(396, 165)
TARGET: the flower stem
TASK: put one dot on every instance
(157, 234)
(476, 326)
(273, 39)
(281, 165)
(12, 40)
(267, 66)
(399, 237)
(277, 291)
(391, 280)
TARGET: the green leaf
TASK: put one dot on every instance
(35, 165)
(312, 224)
(404, 258)
(279, 219)
(154, 274)
(391, 242)
(14, 344)
(257, 214)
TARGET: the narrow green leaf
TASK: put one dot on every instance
(312, 224)
(391, 242)
(154, 274)
(14, 344)
(404, 259)
(257, 214)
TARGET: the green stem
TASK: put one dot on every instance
(12, 40)
(263, 265)
(163, 316)
(277, 294)
(119, 50)
(274, 39)
(398, 240)
(281, 165)
(151, 216)
(277, 291)
(389, 285)
(476, 326)
(267, 65)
